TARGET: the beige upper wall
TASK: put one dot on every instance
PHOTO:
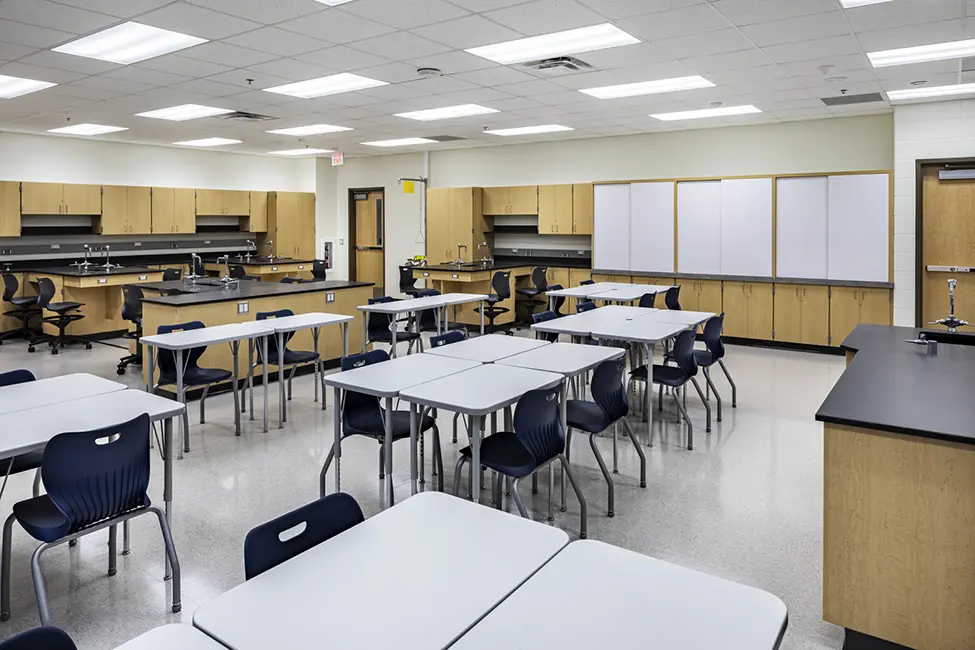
(839, 144)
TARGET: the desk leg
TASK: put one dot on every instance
(168, 481)
(250, 374)
(181, 397)
(388, 448)
(414, 471)
(392, 331)
(264, 366)
(481, 310)
(477, 427)
(235, 349)
(150, 355)
(315, 331)
(439, 318)
(365, 331)
(282, 407)
(345, 340)
(648, 397)
(446, 320)
(337, 441)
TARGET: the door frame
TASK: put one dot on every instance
(919, 266)
(352, 229)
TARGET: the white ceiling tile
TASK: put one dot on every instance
(719, 42)
(119, 8)
(767, 85)
(53, 16)
(839, 65)
(496, 76)
(809, 50)
(59, 61)
(563, 98)
(927, 33)
(467, 32)
(850, 88)
(292, 69)
(266, 12)
(679, 22)
(479, 96)
(638, 54)
(240, 78)
(794, 30)
(163, 97)
(151, 77)
(341, 57)
(207, 87)
(197, 21)
(399, 46)
(114, 85)
(530, 88)
(452, 62)
(390, 72)
(395, 92)
(932, 80)
(616, 9)
(82, 92)
(781, 96)
(791, 115)
(902, 14)
(747, 12)
(441, 85)
(336, 26)
(277, 41)
(479, 6)
(176, 64)
(515, 104)
(918, 71)
(225, 54)
(18, 69)
(9, 51)
(31, 35)
(545, 16)
(745, 75)
(405, 15)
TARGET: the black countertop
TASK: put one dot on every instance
(249, 291)
(898, 387)
(91, 272)
(257, 260)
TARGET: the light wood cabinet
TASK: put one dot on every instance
(555, 275)
(209, 202)
(510, 200)
(82, 199)
(173, 210)
(603, 277)
(695, 295)
(127, 211)
(61, 198)
(9, 209)
(184, 210)
(850, 306)
(454, 216)
(438, 225)
(291, 224)
(237, 203)
(258, 218)
(495, 200)
(802, 314)
(582, 209)
(223, 203)
(748, 310)
(555, 209)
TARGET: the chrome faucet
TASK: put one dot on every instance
(226, 268)
(108, 266)
(460, 260)
(195, 263)
(251, 246)
(84, 265)
(270, 250)
(951, 322)
(485, 260)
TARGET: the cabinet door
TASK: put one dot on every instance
(9, 209)
(690, 296)
(258, 220)
(788, 313)
(735, 302)
(114, 221)
(82, 199)
(462, 224)
(41, 198)
(209, 202)
(138, 208)
(554, 209)
(306, 240)
(709, 295)
(582, 209)
(184, 211)
(578, 276)
(495, 200)
(559, 276)
(759, 311)
(844, 313)
(163, 208)
(524, 200)
(438, 225)
(815, 315)
(237, 203)
(875, 306)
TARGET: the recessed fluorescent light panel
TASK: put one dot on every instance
(649, 87)
(922, 53)
(448, 112)
(185, 112)
(724, 111)
(300, 152)
(129, 43)
(402, 142)
(333, 3)
(11, 87)
(312, 129)
(207, 142)
(573, 41)
(331, 85)
(530, 130)
(934, 91)
(87, 129)
(849, 4)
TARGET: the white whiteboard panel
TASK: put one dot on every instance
(699, 227)
(801, 218)
(611, 227)
(652, 227)
(859, 227)
(746, 226)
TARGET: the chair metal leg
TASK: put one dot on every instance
(707, 406)
(713, 389)
(36, 490)
(535, 482)
(203, 405)
(734, 389)
(438, 458)
(690, 427)
(660, 398)
(112, 550)
(457, 472)
(186, 432)
(422, 469)
(496, 494)
(8, 530)
(616, 453)
(521, 506)
(456, 415)
(382, 463)
(584, 523)
(171, 554)
(40, 593)
(639, 451)
(294, 369)
(602, 468)
(568, 439)
(328, 461)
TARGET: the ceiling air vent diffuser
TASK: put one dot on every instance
(243, 116)
(559, 65)
(846, 100)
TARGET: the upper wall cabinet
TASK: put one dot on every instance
(127, 210)
(61, 198)
(173, 210)
(223, 203)
(510, 200)
(565, 209)
(9, 209)
(258, 219)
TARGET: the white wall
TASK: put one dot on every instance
(37, 158)
(921, 131)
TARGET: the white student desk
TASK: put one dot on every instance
(583, 291)
(630, 292)
(690, 318)
(593, 595)
(180, 342)
(176, 636)
(582, 325)
(413, 305)
(26, 431)
(413, 577)
(385, 380)
(488, 348)
(314, 321)
(476, 392)
(43, 392)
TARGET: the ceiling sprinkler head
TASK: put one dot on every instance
(716, 104)
(427, 73)
(825, 69)
(919, 82)
(834, 80)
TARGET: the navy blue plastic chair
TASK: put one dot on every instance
(362, 415)
(714, 354)
(672, 298)
(677, 377)
(538, 439)
(583, 307)
(559, 300)
(586, 283)
(454, 336)
(65, 313)
(648, 300)
(30, 460)
(287, 280)
(292, 358)
(193, 375)
(544, 317)
(95, 479)
(268, 545)
(378, 327)
(609, 406)
(319, 271)
(40, 638)
(533, 296)
(24, 309)
(171, 275)
(501, 286)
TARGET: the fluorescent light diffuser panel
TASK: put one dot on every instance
(331, 85)
(333, 3)
(448, 112)
(11, 87)
(922, 53)
(530, 130)
(934, 91)
(87, 129)
(649, 87)
(129, 43)
(185, 112)
(300, 152)
(573, 41)
(849, 4)
(311, 129)
(207, 142)
(724, 111)
(402, 142)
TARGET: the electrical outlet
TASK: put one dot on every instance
(243, 307)
(329, 297)
(6, 251)
(174, 245)
(55, 247)
(206, 242)
(143, 278)
(138, 244)
(102, 280)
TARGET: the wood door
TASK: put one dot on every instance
(114, 221)
(788, 313)
(948, 240)
(709, 295)
(258, 219)
(815, 315)
(736, 309)
(582, 209)
(875, 306)
(524, 200)
(461, 225)
(369, 227)
(82, 199)
(163, 210)
(209, 202)
(438, 225)
(9, 209)
(42, 198)
(495, 200)
(184, 211)
(237, 203)
(760, 316)
(844, 313)
(138, 210)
